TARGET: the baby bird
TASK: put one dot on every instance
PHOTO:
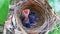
(28, 18)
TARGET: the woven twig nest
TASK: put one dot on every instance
(42, 9)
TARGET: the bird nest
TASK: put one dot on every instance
(43, 11)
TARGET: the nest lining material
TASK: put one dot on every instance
(41, 10)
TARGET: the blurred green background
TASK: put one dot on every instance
(55, 4)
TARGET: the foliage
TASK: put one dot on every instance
(4, 9)
(55, 4)
(56, 29)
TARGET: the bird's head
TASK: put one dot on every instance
(26, 12)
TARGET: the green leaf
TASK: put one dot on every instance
(4, 9)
